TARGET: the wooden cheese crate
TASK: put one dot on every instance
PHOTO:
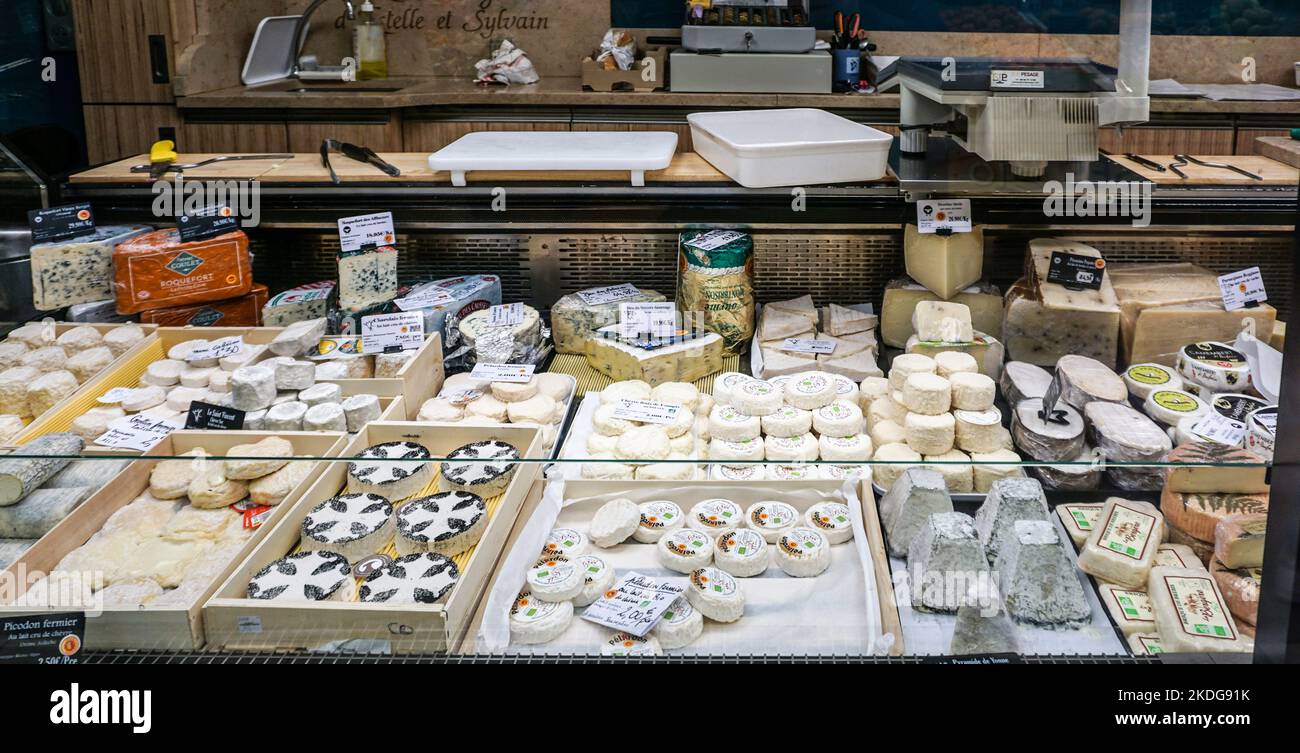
(419, 379)
(234, 621)
(162, 628)
(701, 490)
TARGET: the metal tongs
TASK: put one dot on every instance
(1181, 160)
(352, 151)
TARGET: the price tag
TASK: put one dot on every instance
(800, 345)
(206, 223)
(1075, 271)
(655, 319)
(1219, 428)
(138, 432)
(219, 348)
(366, 230)
(634, 604)
(426, 298)
(715, 239)
(383, 333)
(647, 411)
(462, 396)
(934, 215)
(57, 223)
(43, 638)
(217, 417)
(1017, 79)
(503, 372)
(608, 294)
(1244, 289)
(506, 315)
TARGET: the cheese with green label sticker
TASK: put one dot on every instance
(1191, 614)
(1078, 519)
(1129, 608)
(1121, 548)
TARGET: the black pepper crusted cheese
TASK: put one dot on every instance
(416, 578)
(440, 516)
(310, 576)
(480, 463)
(347, 517)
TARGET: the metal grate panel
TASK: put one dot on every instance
(833, 268)
(645, 260)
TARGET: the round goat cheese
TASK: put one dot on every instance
(680, 625)
(626, 644)
(684, 550)
(598, 577)
(555, 578)
(353, 525)
(803, 552)
(810, 390)
(832, 519)
(788, 421)
(303, 576)
(771, 519)
(714, 516)
(841, 418)
(394, 470)
(567, 542)
(420, 578)
(446, 523)
(1171, 406)
(741, 552)
(614, 522)
(759, 398)
(533, 620)
(484, 468)
(658, 517)
(715, 594)
(725, 422)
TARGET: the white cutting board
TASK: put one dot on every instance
(635, 152)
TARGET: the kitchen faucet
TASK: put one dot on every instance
(300, 28)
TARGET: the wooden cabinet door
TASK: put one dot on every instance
(124, 52)
(117, 131)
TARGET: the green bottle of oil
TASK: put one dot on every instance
(368, 46)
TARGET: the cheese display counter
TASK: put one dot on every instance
(551, 414)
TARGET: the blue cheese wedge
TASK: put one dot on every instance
(421, 578)
(367, 277)
(304, 576)
(78, 270)
(394, 470)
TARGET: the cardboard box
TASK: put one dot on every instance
(648, 73)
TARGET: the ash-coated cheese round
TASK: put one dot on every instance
(771, 518)
(555, 578)
(1171, 406)
(887, 432)
(906, 365)
(684, 394)
(803, 552)
(360, 410)
(951, 362)
(598, 577)
(841, 418)
(758, 398)
(604, 421)
(628, 645)
(513, 392)
(720, 472)
(832, 519)
(632, 389)
(978, 430)
(165, 373)
(955, 467)
(484, 468)
(446, 523)
(419, 578)
(534, 621)
(1082, 380)
(1021, 381)
(810, 389)
(377, 470)
(643, 444)
(1058, 439)
(741, 552)
(972, 391)
(565, 541)
(614, 522)
(353, 525)
(725, 384)
(716, 595)
(871, 389)
(1144, 378)
(327, 392)
(713, 516)
(293, 374)
(684, 550)
(927, 394)
(723, 450)
(930, 435)
(800, 449)
(1261, 431)
(788, 421)
(892, 459)
(725, 422)
(303, 576)
(680, 625)
(853, 448)
(657, 518)
(1213, 366)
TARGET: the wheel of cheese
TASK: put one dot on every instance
(679, 626)
(724, 450)
(599, 578)
(794, 472)
(771, 518)
(978, 430)
(1082, 380)
(803, 552)
(684, 550)
(179, 398)
(841, 418)
(555, 578)
(741, 552)
(725, 384)
(991, 466)
(726, 422)
(164, 373)
(87, 363)
(658, 518)
(832, 519)
(324, 417)
(855, 447)
(1170, 407)
(1058, 439)
(871, 389)
(906, 365)
(759, 398)
(715, 594)
(1214, 366)
(930, 434)
(327, 392)
(488, 407)
(951, 362)
(927, 394)
(713, 516)
(557, 387)
(1261, 428)
(632, 389)
(887, 432)
(684, 394)
(606, 467)
(955, 468)
(1021, 381)
(360, 410)
(791, 449)
(534, 621)
(513, 392)
(675, 468)
(789, 421)
(1235, 405)
(643, 443)
(972, 391)
(720, 472)
(1144, 378)
(810, 390)
(885, 409)
(538, 409)
(604, 421)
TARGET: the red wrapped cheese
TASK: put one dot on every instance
(244, 311)
(158, 271)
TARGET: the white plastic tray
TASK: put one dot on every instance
(796, 147)
(543, 150)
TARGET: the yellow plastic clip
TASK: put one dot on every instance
(163, 151)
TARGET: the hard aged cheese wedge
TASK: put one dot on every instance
(1240, 589)
(1121, 548)
(1191, 613)
(944, 263)
(1239, 540)
(902, 295)
(1222, 469)
(1197, 513)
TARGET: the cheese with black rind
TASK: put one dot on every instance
(1009, 500)
(1229, 469)
(419, 578)
(393, 470)
(1240, 587)
(1121, 548)
(40, 511)
(352, 525)
(445, 523)
(1191, 614)
(945, 546)
(1123, 434)
(1082, 473)
(50, 453)
(908, 504)
(303, 576)
(484, 468)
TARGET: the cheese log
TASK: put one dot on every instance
(77, 270)
(682, 362)
(1197, 514)
(1191, 614)
(1231, 473)
(1240, 589)
(49, 454)
(157, 270)
(1239, 540)
(1122, 546)
(298, 338)
(945, 264)
(902, 295)
(40, 511)
(241, 311)
(310, 301)
(1036, 333)
(367, 277)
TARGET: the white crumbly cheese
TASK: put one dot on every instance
(322, 417)
(143, 398)
(972, 391)
(252, 387)
(78, 339)
(713, 516)
(802, 448)
(927, 394)
(854, 447)
(13, 389)
(555, 578)
(684, 394)
(841, 418)
(629, 389)
(557, 387)
(951, 362)
(389, 365)
(49, 358)
(680, 625)
(832, 520)
(930, 434)
(788, 421)
(676, 469)
(978, 431)
(942, 321)
(193, 376)
(1121, 548)
(247, 354)
(810, 390)
(643, 443)
(992, 466)
(906, 365)
(871, 389)
(299, 338)
(894, 458)
(955, 468)
(725, 384)
(771, 518)
(179, 398)
(48, 389)
(715, 594)
(292, 374)
(360, 410)
(885, 409)
(321, 393)
(488, 407)
(598, 578)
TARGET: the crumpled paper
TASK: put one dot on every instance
(617, 48)
(508, 65)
